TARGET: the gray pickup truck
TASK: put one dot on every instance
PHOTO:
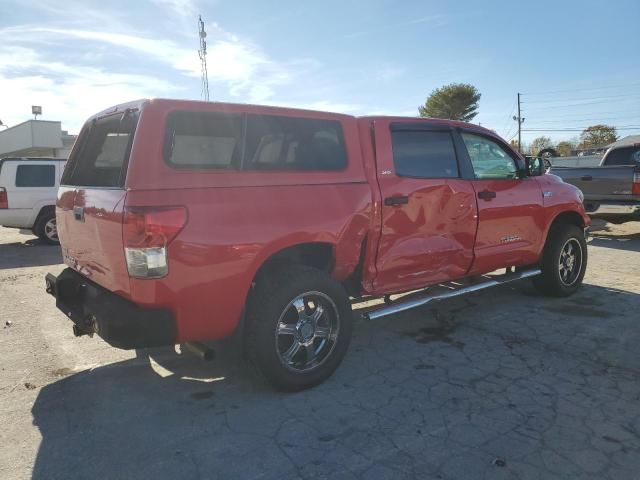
(611, 188)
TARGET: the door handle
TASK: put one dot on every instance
(396, 201)
(486, 194)
(78, 213)
(586, 178)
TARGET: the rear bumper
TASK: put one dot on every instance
(121, 323)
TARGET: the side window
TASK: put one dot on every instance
(203, 140)
(102, 158)
(36, 176)
(424, 154)
(624, 156)
(287, 143)
(489, 160)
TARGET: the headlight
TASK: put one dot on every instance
(580, 195)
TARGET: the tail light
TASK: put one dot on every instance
(635, 189)
(4, 200)
(146, 234)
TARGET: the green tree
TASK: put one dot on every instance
(598, 136)
(564, 148)
(538, 144)
(456, 101)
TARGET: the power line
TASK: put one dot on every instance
(572, 115)
(509, 120)
(510, 132)
(535, 129)
(581, 104)
(573, 90)
(598, 119)
(579, 99)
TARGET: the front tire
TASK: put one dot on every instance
(564, 261)
(46, 228)
(299, 325)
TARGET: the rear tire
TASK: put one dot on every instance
(299, 324)
(46, 229)
(564, 261)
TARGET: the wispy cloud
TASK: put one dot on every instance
(433, 20)
(69, 93)
(388, 72)
(240, 68)
(184, 8)
(82, 60)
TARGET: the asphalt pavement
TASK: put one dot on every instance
(501, 384)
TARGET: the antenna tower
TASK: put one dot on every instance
(202, 53)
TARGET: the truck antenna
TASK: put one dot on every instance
(202, 53)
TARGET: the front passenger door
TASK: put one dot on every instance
(428, 211)
(510, 205)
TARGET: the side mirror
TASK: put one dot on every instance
(535, 166)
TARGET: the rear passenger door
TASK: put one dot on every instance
(510, 205)
(428, 211)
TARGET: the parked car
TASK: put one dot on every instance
(612, 188)
(187, 221)
(28, 191)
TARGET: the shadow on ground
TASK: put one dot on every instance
(30, 253)
(622, 237)
(630, 242)
(499, 384)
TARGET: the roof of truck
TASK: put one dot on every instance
(181, 103)
(628, 141)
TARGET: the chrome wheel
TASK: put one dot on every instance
(307, 331)
(51, 230)
(570, 262)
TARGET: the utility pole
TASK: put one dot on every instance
(520, 121)
(202, 53)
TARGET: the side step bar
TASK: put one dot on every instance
(486, 282)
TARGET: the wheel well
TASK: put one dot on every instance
(44, 210)
(571, 218)
(317, 255)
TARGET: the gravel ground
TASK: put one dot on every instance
(501, 384)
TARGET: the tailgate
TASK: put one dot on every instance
(600, 183)
(90, 205)
(609, 183)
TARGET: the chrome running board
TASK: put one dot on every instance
(486, 282)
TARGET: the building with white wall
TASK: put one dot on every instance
(36, 138)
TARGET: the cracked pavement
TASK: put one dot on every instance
(503, 384)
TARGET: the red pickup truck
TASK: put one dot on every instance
(185, 221)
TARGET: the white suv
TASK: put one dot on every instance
(28, 190)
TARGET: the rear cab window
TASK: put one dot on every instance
(35, 176)
(424, 154)
(102, 157)
(253, 142)
(623, 156)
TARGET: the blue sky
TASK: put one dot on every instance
(577, 62)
